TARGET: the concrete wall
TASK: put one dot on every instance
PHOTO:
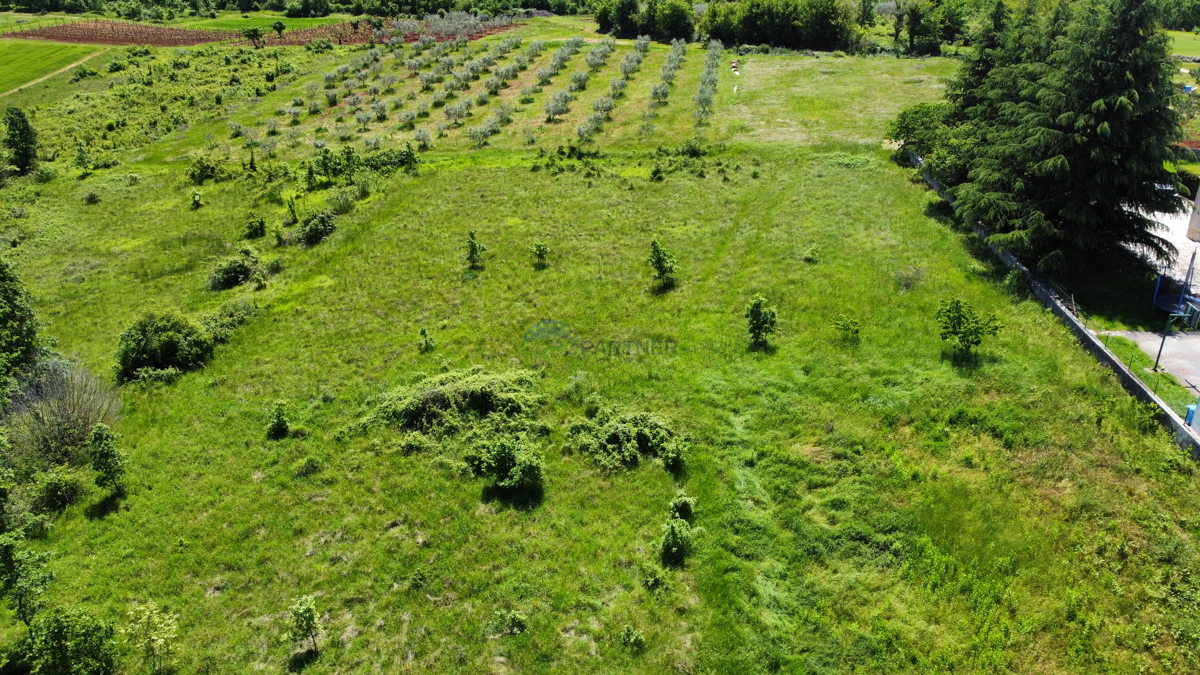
(1185, 436)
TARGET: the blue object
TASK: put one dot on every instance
(1191, 413)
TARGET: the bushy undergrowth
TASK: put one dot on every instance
(617, 441)
(453, 399)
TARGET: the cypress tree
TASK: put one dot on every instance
(21, 139)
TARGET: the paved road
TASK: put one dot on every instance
(1180, 354)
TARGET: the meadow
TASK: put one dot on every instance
(27, 60)
(865, 502)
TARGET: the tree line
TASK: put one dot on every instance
(1057, 132)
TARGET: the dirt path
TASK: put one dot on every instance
(60, 70)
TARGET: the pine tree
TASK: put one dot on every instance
(21, 140)
(966, 91)
(1077, 134)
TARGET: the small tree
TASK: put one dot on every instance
(761, 321)
(278, 27)
(70, 641)
(540, 253)
(683, 507)
(557, 105)
(474, 252)
(278, 427)
(21, 140)
(153, 631)
(107, 460)
(663, 264)
(676, 543)
(962, 327)
(302, 616)
(26, 580)
(425, 343)
(254, 35)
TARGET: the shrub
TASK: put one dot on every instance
(617, 442)
(197, 202)
(508, 622)
(676, 543)
(962, 327)
(683, 507)
(107, 460)
(632, 639)
(153, 631)
(220, 324)
(70, 641)
(340, 201)
(302, 621)
(277, 426)
(57, 488)
(235, 270)
(849, 328)
(306, 467)
(511, 465)
(760, 321)
(55, 407)
(316, 227)
(540, 251)
(663, 264)
(475, 252)
(425, 343)
(445, 400)
(162, 340)
(256, 227)
(91, 198)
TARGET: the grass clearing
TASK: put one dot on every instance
(27, 60)
(878, 505)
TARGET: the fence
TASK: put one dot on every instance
(1062, 305)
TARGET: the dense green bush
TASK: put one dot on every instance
(277, 426)
(450, 399)
(159, 341)
(797, 24)
(619, 441)
(70, 641)
(57, 488)
(962, 327)
(21, 140)
(676, 543)
(760, 321)
(663, 264)
(107, 460)
(235, 270)
(316, 227)
(509, 462)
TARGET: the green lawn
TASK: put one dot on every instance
(1184, 43)
(235, 21)
(875, 505)
(26, 60)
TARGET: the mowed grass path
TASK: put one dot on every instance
(27, 60)
(868, 506)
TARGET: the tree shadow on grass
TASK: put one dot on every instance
(519, 499)
(302, 659)
(761, 348)
(968, 363)
(105, 507)
(663, 287)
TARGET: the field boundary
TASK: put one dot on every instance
(1185, 436)
(64, 69)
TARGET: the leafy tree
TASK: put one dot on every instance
(624, 17)
(557, 105)
(25, 581)
(70, 641)
(675, 19)
(153, 631)
(761, 321)
(278, 27)
(663, 264)
(107, 460)
(302, 616)
(21, 140)
(254, 34)
(19, 346)
(962, 327)
(475, 252)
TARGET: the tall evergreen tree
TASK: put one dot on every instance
(21, 140)
(966, 91)
(1077, 134)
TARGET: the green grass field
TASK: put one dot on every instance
(1184, 43)
(235, 21)
(869, 505)
(27, 60)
